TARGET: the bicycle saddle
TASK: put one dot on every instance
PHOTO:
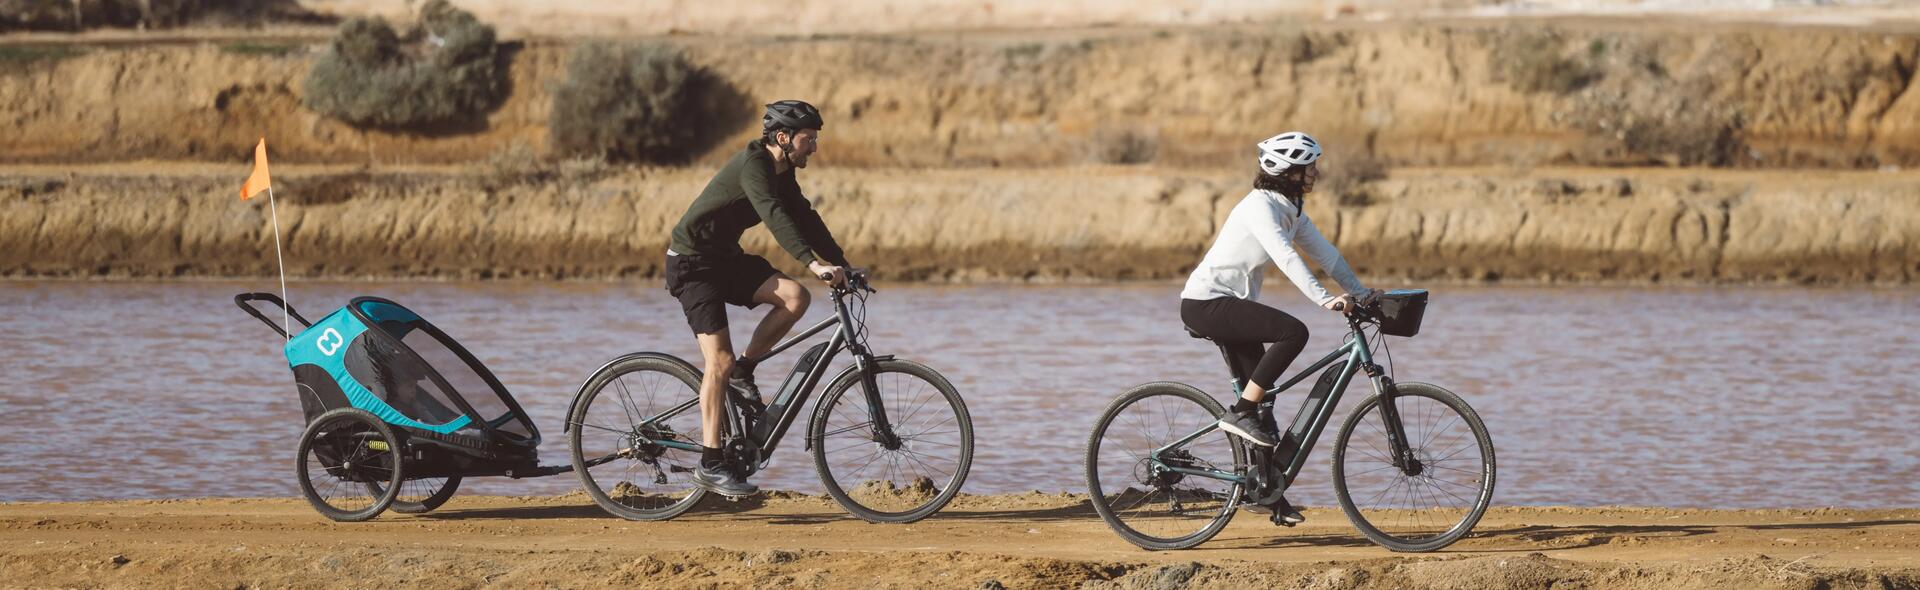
(1194, 334)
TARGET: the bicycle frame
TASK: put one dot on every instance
(793, 401)
(1307, 429)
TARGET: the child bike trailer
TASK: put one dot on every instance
(397, 411)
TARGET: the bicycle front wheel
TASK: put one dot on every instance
(900, 480)
(1143, 498)
(1436, 500)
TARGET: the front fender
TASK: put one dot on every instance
(839, 380)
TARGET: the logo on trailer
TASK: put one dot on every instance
(329, 342)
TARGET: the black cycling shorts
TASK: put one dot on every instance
(705, 284)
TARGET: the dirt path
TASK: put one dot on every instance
(1017, 540)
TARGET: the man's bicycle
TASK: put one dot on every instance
(1412, 465)
(891, 438)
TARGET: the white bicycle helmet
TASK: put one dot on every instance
(1286, 150)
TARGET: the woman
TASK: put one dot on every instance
(1218, 301)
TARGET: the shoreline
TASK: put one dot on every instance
(987, 226)
(965, 499)
(1268, 286)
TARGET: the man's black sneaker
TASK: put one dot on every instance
(1288, 518)
(1247, 426)
(721, 480)
(742, 380)
(1284, 514)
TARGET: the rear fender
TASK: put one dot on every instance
(577, 395)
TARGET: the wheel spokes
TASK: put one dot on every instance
(637, 474)
(920, 465)
(1142, 493)
(343, 471)
(1427, 501)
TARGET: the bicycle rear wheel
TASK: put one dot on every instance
(1441, 497)
(1147, 504)
(614, 435)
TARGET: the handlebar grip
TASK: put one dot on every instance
(1339, 306)
(826, 276)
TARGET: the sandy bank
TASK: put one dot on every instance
(1098, 223)
(1451, 93)
(1019, 541)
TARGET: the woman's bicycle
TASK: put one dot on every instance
(1413, 466)
(891, 438)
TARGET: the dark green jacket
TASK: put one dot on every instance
(745, 193)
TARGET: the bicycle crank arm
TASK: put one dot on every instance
(1264, 485)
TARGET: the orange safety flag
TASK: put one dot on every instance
(258, 181)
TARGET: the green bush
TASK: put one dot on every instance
(1700, 138)
(443, 71)
(68, 15)
(1536, 61)
(1123, 145)
(269, 49)
(22, 55)
(632, 103)
(511, 165)
(39, 15)
(516, 164)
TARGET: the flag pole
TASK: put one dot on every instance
(285, 307)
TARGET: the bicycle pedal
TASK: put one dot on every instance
(1275, 518)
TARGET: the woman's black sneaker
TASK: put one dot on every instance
(1283, 513)
(1267, 423)
(1245, 425)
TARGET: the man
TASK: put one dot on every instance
(706, 269)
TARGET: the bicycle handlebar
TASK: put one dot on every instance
(1357, 311)
(856, 280)
(1356, 308)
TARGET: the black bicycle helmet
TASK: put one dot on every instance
(790, 115)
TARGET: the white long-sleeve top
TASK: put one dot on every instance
(1266, 226)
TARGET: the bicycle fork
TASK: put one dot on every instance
(1390, 416)
(882, 428)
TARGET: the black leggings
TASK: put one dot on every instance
(1243, 326)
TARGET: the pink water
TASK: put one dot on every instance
(1709, 397)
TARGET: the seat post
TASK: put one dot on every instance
(1240, 374)
(1234, 369)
